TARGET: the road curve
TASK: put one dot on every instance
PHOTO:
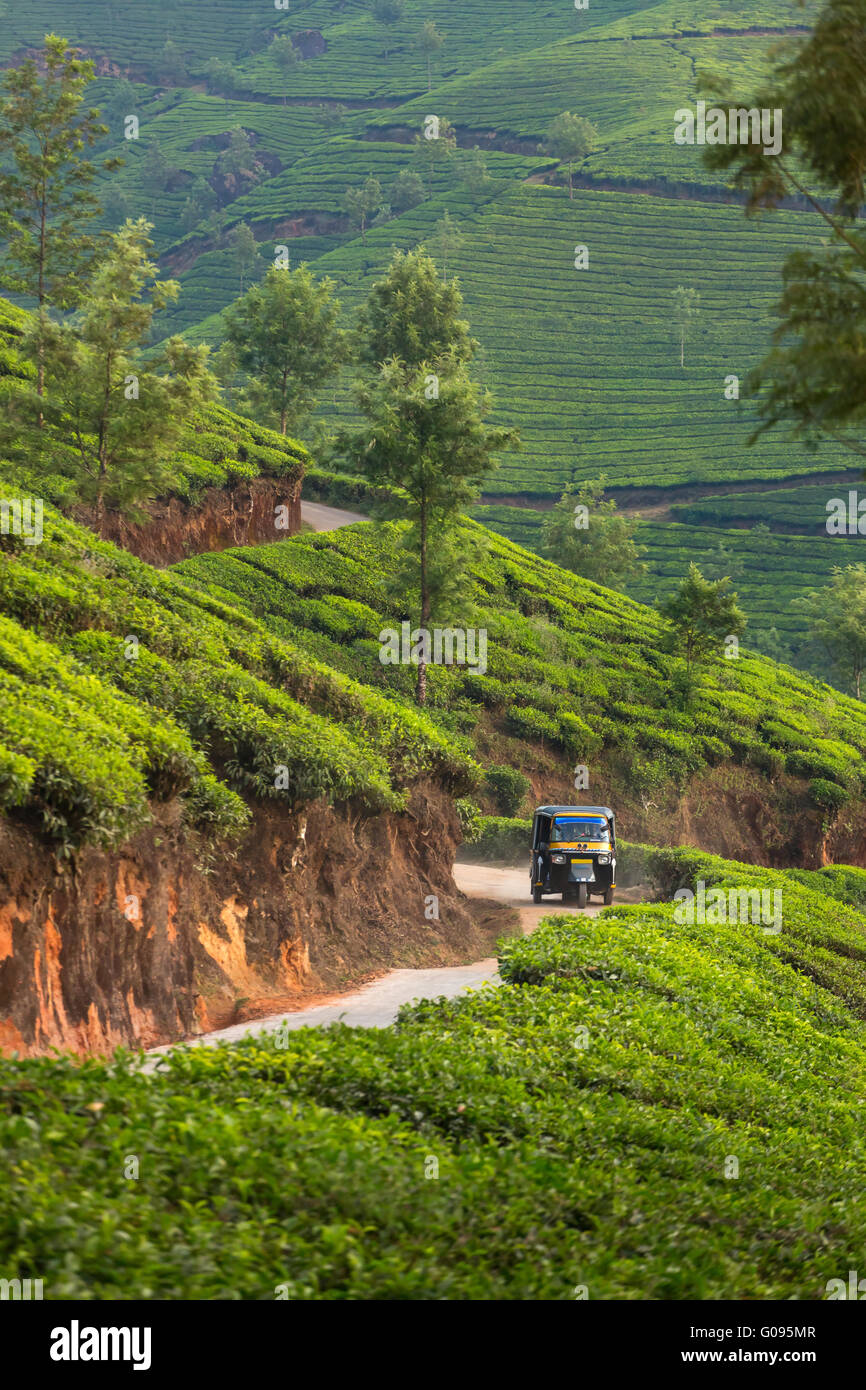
(376, 1005)
(323, 518)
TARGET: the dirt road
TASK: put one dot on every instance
(512, 886)
(377, 1004)
(323, 518)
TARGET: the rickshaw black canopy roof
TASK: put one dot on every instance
(579, 810)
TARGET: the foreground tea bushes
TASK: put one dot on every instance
(646, 1109)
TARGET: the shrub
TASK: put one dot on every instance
(530, 723)
(470, 819)
(503, 837)
(508, 787)
(576, 736)
(828, 795)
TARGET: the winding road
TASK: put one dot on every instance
(323, 518)
(376, 1005)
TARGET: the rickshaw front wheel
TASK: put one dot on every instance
(608, 896)
(582, 895)
(536, 893)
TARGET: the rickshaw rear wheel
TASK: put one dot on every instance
(582, 895)
(536, 894)
(608, 896)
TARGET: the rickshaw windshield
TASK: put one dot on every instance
(568, 829)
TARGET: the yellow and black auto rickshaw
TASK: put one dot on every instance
(573, 853)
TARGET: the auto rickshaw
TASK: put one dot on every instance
(573, 853)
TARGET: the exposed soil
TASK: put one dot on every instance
(241, 515)
(152, 943)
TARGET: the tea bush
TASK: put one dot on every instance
(574, 1126)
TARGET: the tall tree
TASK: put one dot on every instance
(425, 431)
(685, 310)
(122, 412)
(387, 12)
(286, 336)
(570, 138)
(331, 114)
(435, 450)
(283, 52)
(836, 616)
(46, 202)
(222, 76)
(812, 382)
(446, 241)
(171, 67)
(238, 167)
(156, 172)
(411, 315)
(474, 173)
(359, 203)
(589, 536)
(702, 613)
(200, 202)
(245, 250)
(429, 150)
(429, 41)
(406, 192)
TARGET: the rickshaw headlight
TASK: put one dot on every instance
(604, 859)
(557, 858)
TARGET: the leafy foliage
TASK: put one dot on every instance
(573, 1146)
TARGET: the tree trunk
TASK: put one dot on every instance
(570, 184)
(682, 349)
(40, 370)
(429, 78)
(421, 688)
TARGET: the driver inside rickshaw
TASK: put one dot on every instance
(569, 831)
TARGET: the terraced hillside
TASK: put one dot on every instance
(775, 546)
(585, 361)
(253, 657)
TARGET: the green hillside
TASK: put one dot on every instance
(645, 1109)
(585, 362)
(122, 685)
(268, 656)
(219, 448)
(804, 509)
(793, 558)
(570, 666)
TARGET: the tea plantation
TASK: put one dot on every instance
(645, 1109)
(122, 685)
(218, 447)
(585, 362)
(571, 667)
(768, 569)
